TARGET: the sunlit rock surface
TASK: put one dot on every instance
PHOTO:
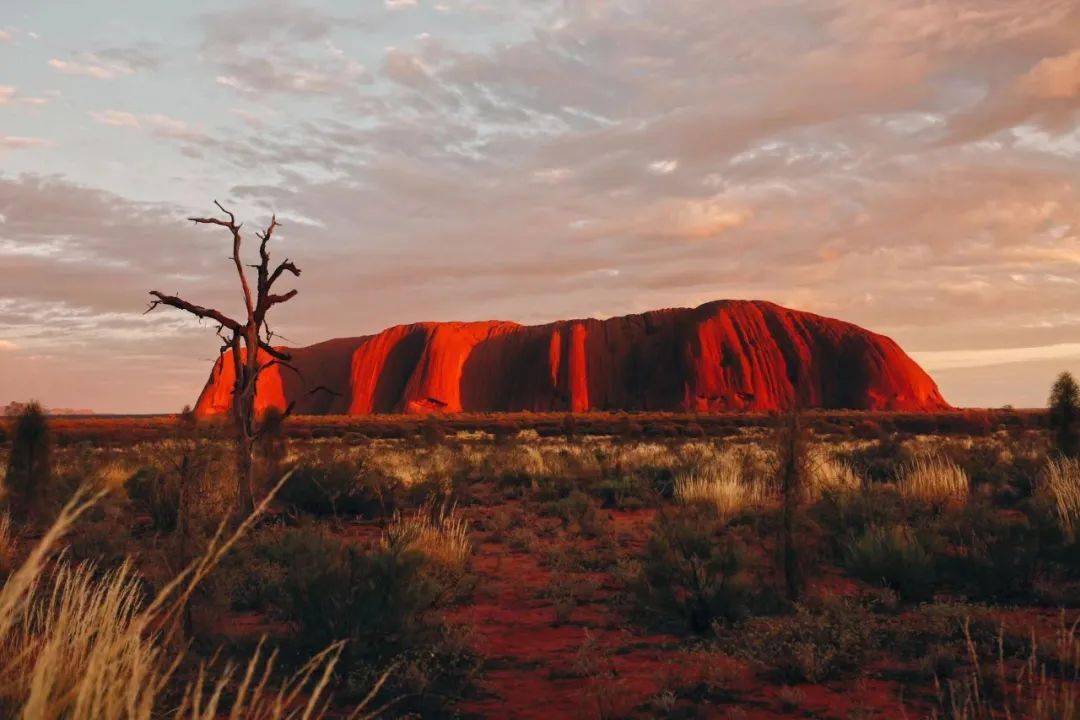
(722, 356)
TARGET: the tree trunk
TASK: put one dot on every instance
(791, 489)
(245, 499)
(244, 416)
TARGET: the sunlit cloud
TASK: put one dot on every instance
(154, 123)
(9, 94)
(92, 66)
(17, 142)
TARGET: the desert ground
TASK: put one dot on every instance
(828, 565)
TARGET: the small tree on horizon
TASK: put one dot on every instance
(1065, 415)
(29, 466)
(247, 342)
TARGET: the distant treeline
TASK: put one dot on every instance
(847, 423)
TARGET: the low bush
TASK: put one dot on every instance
(158, 493)
(692, 573)
(341, 487)
(896, 557)
(30, 464)
(814, 644)
(992, 556)
(579, 513)
(384, 600)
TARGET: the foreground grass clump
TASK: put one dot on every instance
(382, 599)
(75, 643)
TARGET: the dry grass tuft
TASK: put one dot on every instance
(1060, 484)
(827, 475)
(440, 533)
(81, 645)
(7, 545)
(933, 479)
(722, 483)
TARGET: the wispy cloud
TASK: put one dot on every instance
(91, 65)
(10, 95)
(17, 142)
(154, 123)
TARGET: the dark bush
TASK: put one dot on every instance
(384, 601)
(1064, 416)
(340, 487)
(815, 644)
(692, 573)
(993, 556)
(29, 468)
(158, 493)
(433, 430)
(896, 557)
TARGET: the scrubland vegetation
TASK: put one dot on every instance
(845, 566)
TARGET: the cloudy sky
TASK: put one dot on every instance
(911, 166)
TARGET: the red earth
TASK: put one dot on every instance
(728, 355)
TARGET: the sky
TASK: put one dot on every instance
(911, 166)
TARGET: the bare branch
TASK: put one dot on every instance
(285, 266)
(265, 238)
(197, 310)
(274, 352)
(232, 218)
(272, 300)
(281, 363)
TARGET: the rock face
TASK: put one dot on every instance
(722, 356)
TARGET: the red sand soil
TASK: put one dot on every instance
(533, 667)
(722, 356)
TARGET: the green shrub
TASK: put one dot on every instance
(814, 644)
(158, 493)
(692, 573)
(630, 491)
(384, 600)
(895, 557)
(433, 431)
(578, 512)
(340, 487)
(997, 558)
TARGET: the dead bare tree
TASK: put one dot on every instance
(248, 343)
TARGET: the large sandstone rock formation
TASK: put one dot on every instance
(722, 356)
